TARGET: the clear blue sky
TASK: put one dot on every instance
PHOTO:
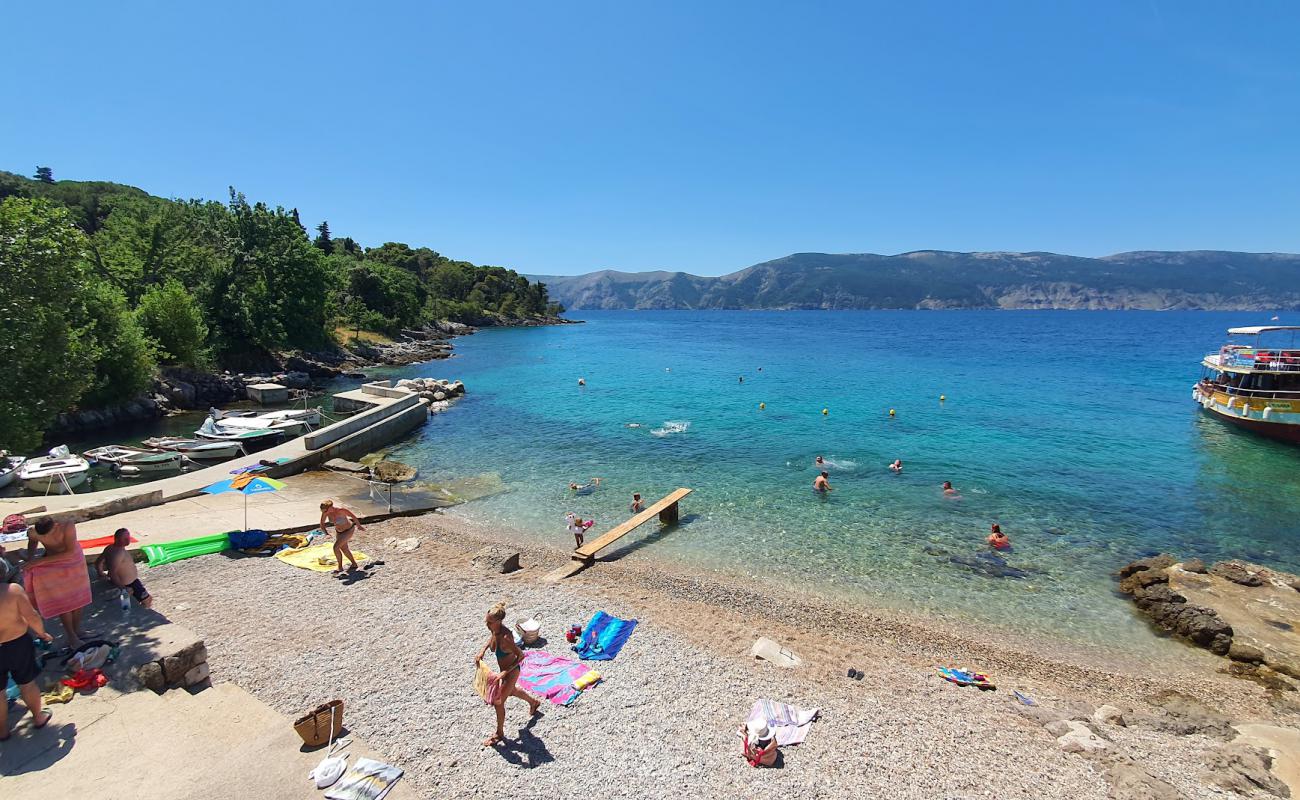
(565, 137)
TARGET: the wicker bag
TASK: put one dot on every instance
(320, 725)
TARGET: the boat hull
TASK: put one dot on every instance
(53, 484)
(1281, 431)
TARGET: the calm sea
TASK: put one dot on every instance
(1075, 431)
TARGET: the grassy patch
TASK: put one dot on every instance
(345, 335)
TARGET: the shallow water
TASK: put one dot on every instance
(1073, 430)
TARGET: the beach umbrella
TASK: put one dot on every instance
(245, 484)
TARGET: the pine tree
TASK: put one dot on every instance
(44, 175)
(323, 241)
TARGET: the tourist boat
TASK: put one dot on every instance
(58, 473)
(1253, 381)
(141, 460)
(9, 467)
(195, 449)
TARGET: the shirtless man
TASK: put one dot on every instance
(60, 539)
(948, 491)
(820, 484)
(637, 506)
(116, 565)
(18, 654)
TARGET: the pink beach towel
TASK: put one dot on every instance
(790, 724)
(551, 677)
(58, 584)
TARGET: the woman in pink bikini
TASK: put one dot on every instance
(346, 525)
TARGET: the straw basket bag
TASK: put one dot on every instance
(320, 725)
(529, 629)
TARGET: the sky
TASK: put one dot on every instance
(560, 138)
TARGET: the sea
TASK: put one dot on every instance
(1074, 431)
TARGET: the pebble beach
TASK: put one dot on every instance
(398, 644)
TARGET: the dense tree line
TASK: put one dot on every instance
(100, 283)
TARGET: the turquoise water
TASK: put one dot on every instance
(1073, 430)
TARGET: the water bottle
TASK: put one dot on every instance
(124, 600)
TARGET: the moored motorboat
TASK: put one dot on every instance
(195, 449)
(249, 437)
(1254, 384)
(311, 416)
(58, 473)
(9, 467)
(141, 460)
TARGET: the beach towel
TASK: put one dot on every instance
(551, 677)
(318, 557)
(58, 584)
(366, 780)
(486, 682)
(790, 724)
(603, 637)
(100, 541)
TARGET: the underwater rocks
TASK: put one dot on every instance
(990, 565)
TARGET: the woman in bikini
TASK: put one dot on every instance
(509, 657)
(346, 525)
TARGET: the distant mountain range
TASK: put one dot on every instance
(1200, 279)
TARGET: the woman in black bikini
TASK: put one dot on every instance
(509, 656)
(345, 527)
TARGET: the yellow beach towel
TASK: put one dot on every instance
(318, 557)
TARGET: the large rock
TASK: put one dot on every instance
(1185, 715)
(1237, 572)
(1108, 715)
(1078, 738)
(495, 558)
(1149, 585)
(1162, 561)
(1130, 782)
(1245, 770)
(393, 472)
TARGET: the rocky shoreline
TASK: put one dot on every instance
(178, 389)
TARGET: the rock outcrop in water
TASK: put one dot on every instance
(1243, 611)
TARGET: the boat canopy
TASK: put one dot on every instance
(1255, 330)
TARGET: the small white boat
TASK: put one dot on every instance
(59, 473)
(288, 426)
(9, 467)
(248, 436)
(311, 416)
(195, 449)
(141, 460)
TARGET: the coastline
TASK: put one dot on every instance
(398, 645)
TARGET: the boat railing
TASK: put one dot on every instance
(1262, 394)
(1274, 360)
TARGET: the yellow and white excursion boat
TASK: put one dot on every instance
(1254, 381)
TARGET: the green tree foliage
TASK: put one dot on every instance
(124, 356)
(394, 295)
(323, 240)
(47, 356)
(44, 175)
(172, 317)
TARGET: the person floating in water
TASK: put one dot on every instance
(820, 484)
(897, 466)
(742, 378)
(582, 381)
(637, 506)
(948, 491)
(820, 463)
(578, 527)
(586, 488)
(999, 540)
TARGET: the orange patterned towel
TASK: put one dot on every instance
(58, 584)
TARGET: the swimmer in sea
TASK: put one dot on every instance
(999, 540)
(820, 484)
(582, 381)
(948, 491)
(742, 378)
(897, 466)
(586, 488)
(820, 463)
(637, 506)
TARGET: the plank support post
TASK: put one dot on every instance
(669, 515)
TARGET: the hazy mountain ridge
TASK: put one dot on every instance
(935, 279)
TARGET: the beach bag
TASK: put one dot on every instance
(321, 724)
(14, 523)
(758, 755)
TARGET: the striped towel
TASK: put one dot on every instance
(790, 724)
(550, 676)
(58, 584)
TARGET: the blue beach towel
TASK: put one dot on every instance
(603, 637)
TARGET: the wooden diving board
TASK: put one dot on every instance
(665, 509)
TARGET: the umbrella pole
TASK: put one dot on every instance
(245, 494)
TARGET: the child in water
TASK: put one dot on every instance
(897, 466)
(999, 540)
(637, 506)
(578, 527)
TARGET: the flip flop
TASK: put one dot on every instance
(48, 716)
(493, 740)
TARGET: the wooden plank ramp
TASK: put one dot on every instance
(665, 509)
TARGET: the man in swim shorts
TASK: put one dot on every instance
(18, 654)
(820, 484)
(116, 564)
(637, 506)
